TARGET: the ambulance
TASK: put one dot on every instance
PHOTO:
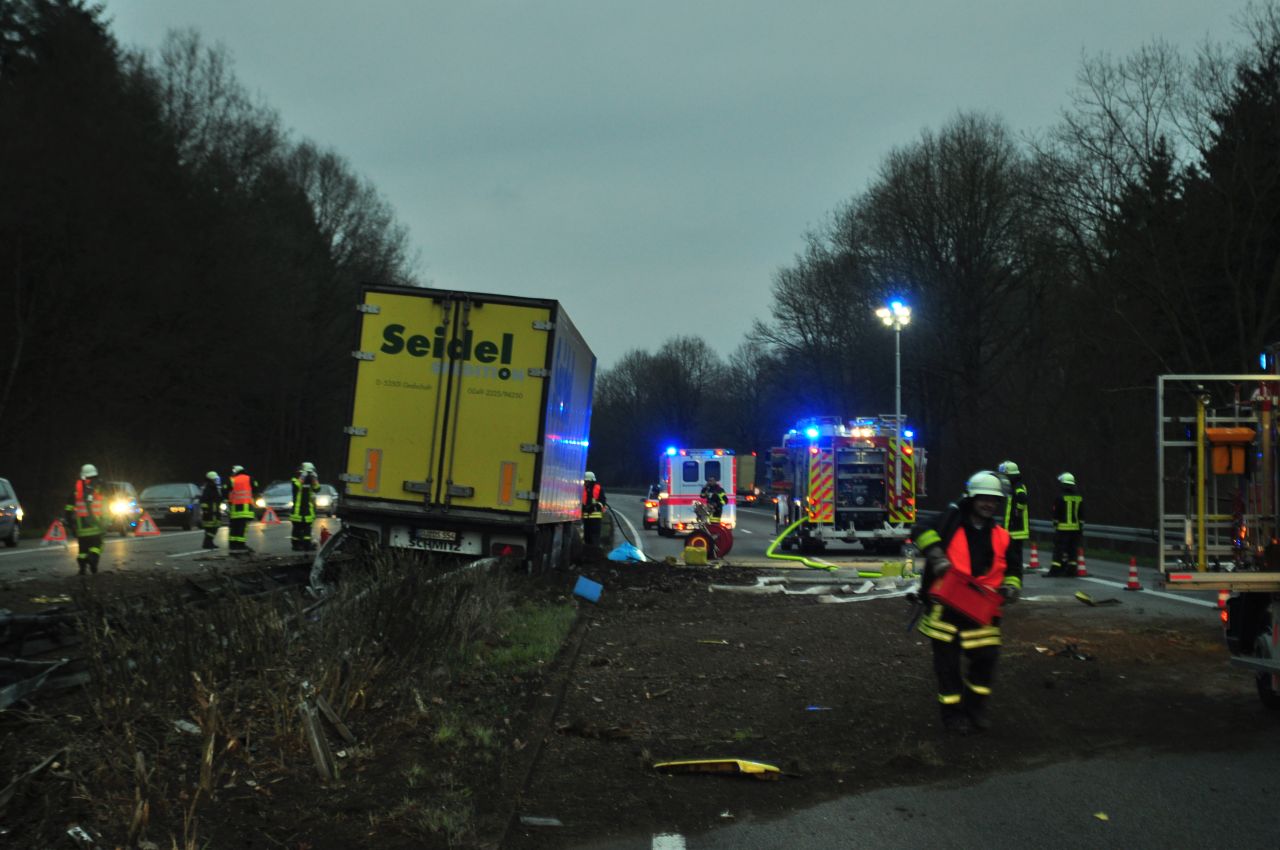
(682, 473)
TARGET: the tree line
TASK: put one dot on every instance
(1052, 275)
(178, 275)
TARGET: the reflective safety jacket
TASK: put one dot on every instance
(85, 509)
(1017, 519)
(1068, 512)
(240, 497)
(304, 499)
(940, 622)
(593, 500)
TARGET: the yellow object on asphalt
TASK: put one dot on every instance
(755, 769)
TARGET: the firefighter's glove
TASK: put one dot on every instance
(936, 561)
(1010, 593)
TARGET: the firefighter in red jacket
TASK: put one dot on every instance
(966, 538)
(239, 509)
(593, 504)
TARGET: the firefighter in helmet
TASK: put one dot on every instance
(1068, 523)
(1017, 519)
(593, 506)
(967, 541)
(85, 515)
(305, 486)
(211, 508)
(239, 509)
(715, 497)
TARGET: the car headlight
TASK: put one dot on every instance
(323, 501)
(18, 514)
(119, 506)
(260, 502)
(222, 506)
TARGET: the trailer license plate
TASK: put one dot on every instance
(437, 539)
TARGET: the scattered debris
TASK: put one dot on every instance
(1101, 816)
(1091, 602)
(52, 600)
(1071, 650)
(741, 767)
(533, 820)
(714, 642)
(186, 726)
(588, 589)
(817, 708)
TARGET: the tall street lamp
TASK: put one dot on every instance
(896, 315)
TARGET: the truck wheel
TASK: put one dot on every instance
(1266, 681)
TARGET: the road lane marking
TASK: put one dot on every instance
(1204, 603)
(192, 552)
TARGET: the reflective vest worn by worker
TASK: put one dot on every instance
(940, 622)
(592, 500)
(86, 507)
(240, 498)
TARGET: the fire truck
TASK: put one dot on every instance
(682, 474)
(853, 481)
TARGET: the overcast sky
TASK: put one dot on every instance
(649, 164)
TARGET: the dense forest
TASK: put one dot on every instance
(177, 276)
(1052, 277)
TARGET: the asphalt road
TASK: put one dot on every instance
(1106, 581)
(172, 549)
(1207, 800)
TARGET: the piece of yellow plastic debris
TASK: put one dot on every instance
(1101, 816)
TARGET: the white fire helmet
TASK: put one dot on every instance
(590, 476)
(1066, 479)
(984, 483)
(308, 467)
(211, 475)
(88, 471)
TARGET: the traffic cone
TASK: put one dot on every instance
(1034, 564)
(324, 534)
(1133, 583)
(57, 533)
(1081, 569)
(269, 517)
(1222, 598)
(146, 526)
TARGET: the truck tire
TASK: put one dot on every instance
(1265, 681)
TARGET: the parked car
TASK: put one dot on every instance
(327, 500)
(278, 495)
(651, 500)
(172, 504)
(121, 499)
(10, 514)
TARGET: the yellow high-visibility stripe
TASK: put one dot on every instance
(978, 689)
(949, 699)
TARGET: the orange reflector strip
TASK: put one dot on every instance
(507, 482)
(1179, 576)
(372, 469)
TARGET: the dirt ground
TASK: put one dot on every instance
(664, 666)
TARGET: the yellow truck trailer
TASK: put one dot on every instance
(470, 418)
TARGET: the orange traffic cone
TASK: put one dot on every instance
(1081, 569)
(57, 533)
(1222, 598)
(146, 526)
(1133, 583)
(269, 517)
(1034, 564)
